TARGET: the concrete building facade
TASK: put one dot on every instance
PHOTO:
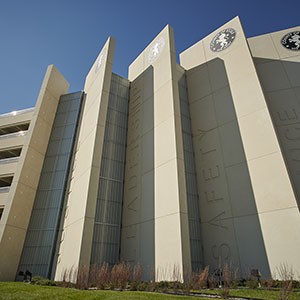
(178, 167)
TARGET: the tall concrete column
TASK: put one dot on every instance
(15, 220)
(78, 225)
(171, 234)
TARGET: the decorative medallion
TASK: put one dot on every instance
(156, 49)
(223, 40)
(291, 41)
(100, 60)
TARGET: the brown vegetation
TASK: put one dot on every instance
(123, 276)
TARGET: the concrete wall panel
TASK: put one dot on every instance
(224, 142)
(278, 69)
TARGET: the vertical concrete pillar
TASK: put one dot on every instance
(76, 239)
(137, 238)
(171, 233)
(14, 222)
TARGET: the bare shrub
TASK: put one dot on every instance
(234, 276)
(269, 284)
(126, 272)
(93, 275)
(212, 282)
(82, 277)
(203, 278)
(195, 280)
(120, 275)
(114, 277)
(103, 277)
(234, 272)
(286, 290)
(187, 282)
(227, 280)
(229, 274)
(226, 276)
(219, 272)
(235, 279)
(152, 274)
(137, 274)
(286, 274)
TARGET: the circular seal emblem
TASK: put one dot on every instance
(100, 60)
(291, 41)
(156, 49)
(223, 40)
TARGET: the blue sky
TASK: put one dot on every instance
(70, 33)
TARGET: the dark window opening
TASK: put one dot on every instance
(6, 181)
(14, 128)
(8, 153)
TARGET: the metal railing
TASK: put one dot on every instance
(17, 112)
(9, 160)
(4, 189)
(9, 135)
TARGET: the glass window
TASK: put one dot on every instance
(1, 212)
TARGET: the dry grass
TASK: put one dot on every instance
(103, 278)
(285, 273)
(82, 277)
(120, 275)
(137, 273)
(123, 276)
